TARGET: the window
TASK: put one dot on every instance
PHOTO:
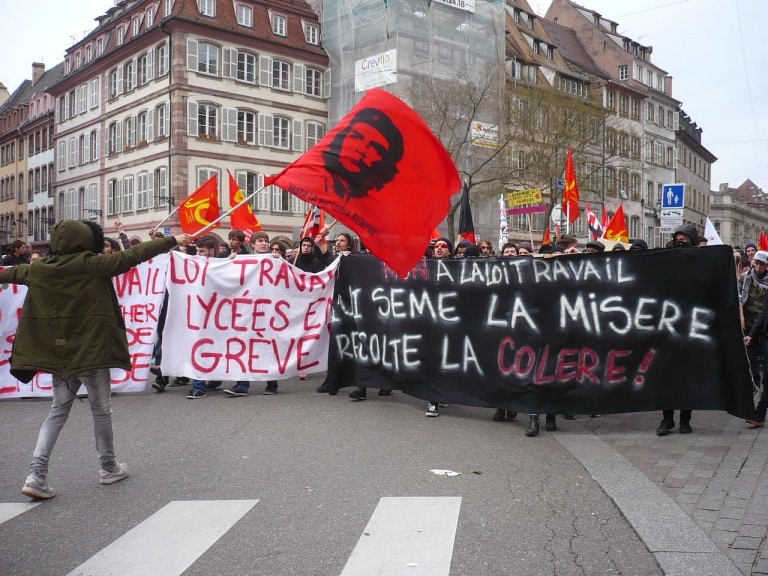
(315, 133)
(88, 53)
(246, 127)
(623, 184)
(670, 116)
(205, 173)
(114, 138)
(635, 108)
(444, 53)
(550, 53)
(535, 47)
(145, 68)
(73, 153)
(73, 99)
(669, 157)
(162, 119)
(281, 200)
(314, 82)
(100, 46)
(249, 182)
(150, 17)
(312, 34)
(168, 7)
(651, 113)
(281, 75)
(161, 187)
(120, 35)
(421, 47)
(129, 131)
(113, 197)
(162, 60)
(244, 15)
(128, 194)
(611, 100)
(282, 132)
(136, 27)
(144, 127)
(610, 140)
(207, 58)
(658, 153)
(635, 147)
(129, 75)
(624, 72)
(634, 227)
(635, 186)
(246, 67)
(623, 143)
(623, 108)
(115, 82)
(207, 120)
(207, 7)
(94, 144)
(279, 25)
(83, 149)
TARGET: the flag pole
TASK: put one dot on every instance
(227, 213)
(164, 220)
(530, 228)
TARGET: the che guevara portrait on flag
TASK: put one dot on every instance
(363, 156)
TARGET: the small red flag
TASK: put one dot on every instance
(201, 207)
(763, 241)
(617, 227)
(571, 192)
(314, 221)
(381, 172)
(435, 234)
(243, 218)
(547, 237)
(605, 218)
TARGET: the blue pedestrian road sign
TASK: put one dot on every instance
(673, 196)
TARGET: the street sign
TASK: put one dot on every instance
(672, 205)
(167, 231)
(561, 184)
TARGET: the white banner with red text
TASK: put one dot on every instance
(254, 318)
(140, 293)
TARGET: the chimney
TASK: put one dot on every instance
(38, 69)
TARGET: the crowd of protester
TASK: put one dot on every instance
(315, 254)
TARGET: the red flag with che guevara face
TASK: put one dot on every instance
(381, 172)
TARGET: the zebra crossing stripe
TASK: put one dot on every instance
(411, 536)
(12, 509)
(169, 541)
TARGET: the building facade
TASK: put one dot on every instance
(162, 96)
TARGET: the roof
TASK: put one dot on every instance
(571, 48)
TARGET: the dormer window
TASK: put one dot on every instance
(535, 47)
(100, 46)
(244, 15)
(311, 33)
(550, 53)
(207, 7)
(279, 25)
(150, 17)
(136, 26)
(120, 36)
(88, 53)
(530, 21)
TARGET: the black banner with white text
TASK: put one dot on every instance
(584, 333)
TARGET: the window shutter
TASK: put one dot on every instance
(83, 98)
(327, 83)
(226, 58)
(229, 124)
(66, 106)
(242, 180)
(150, 64)
(298, 135)
(150, 190)
(266, 130)
(86, 150)
(299, 78)
(97, 152)
(119, 80)
(150, 115)
(192, 129)
(675, 120)
(167, 126)
(192, 55)
(262, 198)
(134, 70)
(119, 136)
(265, 71)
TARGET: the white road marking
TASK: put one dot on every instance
(412, 536)
(169, 541)
(12, 509)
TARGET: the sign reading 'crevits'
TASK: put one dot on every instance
(377, 70)
(583, 333)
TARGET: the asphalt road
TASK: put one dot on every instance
(318, 467)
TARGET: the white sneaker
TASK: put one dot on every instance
(120, 472)
(432, 409)
(37, 488)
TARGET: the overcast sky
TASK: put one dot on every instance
(712, 48)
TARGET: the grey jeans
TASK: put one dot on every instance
(65, 388)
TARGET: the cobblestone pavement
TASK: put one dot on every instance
(717, 475)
